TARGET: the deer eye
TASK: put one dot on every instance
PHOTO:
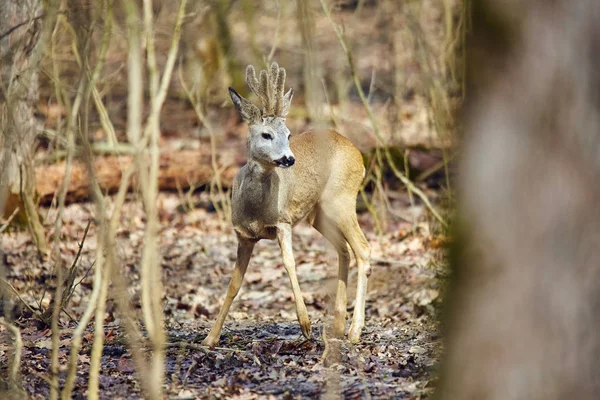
(267, 136)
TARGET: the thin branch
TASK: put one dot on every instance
(172, 56)
(436, 167)
(150, 270)
(205, 349)
(150, 49)
(77, 336)
(106, 39)
(58, 300)
(87, 273)
(14, 28)
(96, 356)
(69, 288)
(9, 220)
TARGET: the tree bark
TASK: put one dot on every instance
(21, 27)
(523, 310)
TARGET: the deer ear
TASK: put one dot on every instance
(247, 111)
(287, 101)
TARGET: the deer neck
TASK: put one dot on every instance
(260, 200)
(260, 183)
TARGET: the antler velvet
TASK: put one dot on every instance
(269, 89)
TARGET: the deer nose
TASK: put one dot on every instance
(286, 161)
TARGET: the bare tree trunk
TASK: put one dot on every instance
(524, 308)
(22, 30)
(20, 25)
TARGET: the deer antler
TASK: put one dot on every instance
(269, 88)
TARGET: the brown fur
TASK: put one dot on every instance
(321, 187)
(299, 191)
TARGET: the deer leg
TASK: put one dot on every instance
(332, 233)
(244, 252)
(284, 236)
(362, 252)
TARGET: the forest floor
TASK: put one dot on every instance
(262, 353)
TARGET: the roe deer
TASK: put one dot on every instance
(314, 175)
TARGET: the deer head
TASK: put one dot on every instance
(268, 135)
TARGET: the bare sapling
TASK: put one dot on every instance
(313, 176)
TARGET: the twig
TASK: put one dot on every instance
(68, 315)
(41, 300)
(427, 173)
(371, 87)
(200, 347)
(87, 272)
(69, 288)
(187, 373)
(14, 28)
(105, 121)
(406, 172)
(391, 263)
(9, 220)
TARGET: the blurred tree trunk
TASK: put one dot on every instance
(524, 306)
(20, 25)
(202, 58)
(313, 91)
(220, 11)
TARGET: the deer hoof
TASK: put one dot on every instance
(354, 333)
(210, 342)
(305, 328)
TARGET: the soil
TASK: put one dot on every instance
(262, 353)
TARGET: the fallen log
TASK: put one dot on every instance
(177, 170)
(182, 169)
